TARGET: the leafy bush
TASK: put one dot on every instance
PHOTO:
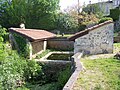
(105, 19)
(115, 13)
(95, 9)
(66, 23)
(3, 33)
(86, 20)
(15, 70)
(32, 70)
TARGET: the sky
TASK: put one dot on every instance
(65, 3)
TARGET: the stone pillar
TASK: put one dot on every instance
(29, 45)
(45, 45)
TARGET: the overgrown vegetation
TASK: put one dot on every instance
(23, 48)
(3, 34)
(115, 13)
(100, 74)
(34, 13)
(53, 80)
(105, 19)
(18, 73)
(94, 9)
(43, 53)
(15, 70)
(67, 23)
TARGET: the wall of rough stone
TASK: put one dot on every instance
(37, 47)
(99, 40)
(60, 44)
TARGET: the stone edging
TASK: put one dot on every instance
(78, 68)
(44, 59)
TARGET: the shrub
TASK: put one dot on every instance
(32, 70)
(3, 34)
(115, 13)
(66, 23)
(105, 19)
(15, 70)
(87, 20)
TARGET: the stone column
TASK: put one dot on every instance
(45, 45)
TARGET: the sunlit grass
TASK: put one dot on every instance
(100, 74)
(116, 47)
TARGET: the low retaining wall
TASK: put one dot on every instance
(78, 68)
(60, 43)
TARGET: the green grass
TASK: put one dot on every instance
(100, 74)
(29, 86)
(43, 53)
(116, 47)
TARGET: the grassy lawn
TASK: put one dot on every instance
(100, 74)
(116, 47)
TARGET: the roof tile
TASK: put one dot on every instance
(33, 34)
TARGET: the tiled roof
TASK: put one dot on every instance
(86, 31)
(33, 34)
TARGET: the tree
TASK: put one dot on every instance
(34, 13)
(67, 23)
(94, 9)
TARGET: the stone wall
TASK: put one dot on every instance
(99, 40)
(37, 46)
(60, 44)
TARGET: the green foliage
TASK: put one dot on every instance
(105, 19)
(1, 39)
(29, 86)
(93, 8)
(66, 23)
(86, 20)
(22, 44)
(43, 53)
(14, 69)
(34, 13)
(32, 70)
(115, 13)
(2, 33)
(63, 77)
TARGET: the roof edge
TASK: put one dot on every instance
(86, 31)
(14, 30)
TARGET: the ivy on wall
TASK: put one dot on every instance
(22, 44)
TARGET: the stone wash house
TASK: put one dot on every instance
(36, 39)
(95, 40)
